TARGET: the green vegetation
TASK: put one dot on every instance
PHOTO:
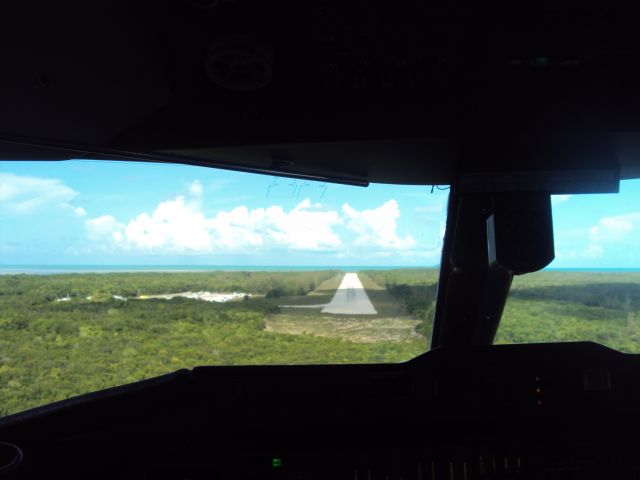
(551, 306)
(405, 276)
(102, 286)
(548, 306)
(63, 335)
(415, 288)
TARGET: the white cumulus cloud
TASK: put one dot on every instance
(610, 232)
(306, 227)
(173, 225)
(195, 188)
(557, 199)
(102, 228)
(614, 228)
(377, 226)
(179, 226)
(79, 211)
(21, 194)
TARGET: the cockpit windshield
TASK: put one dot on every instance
(113, 272)
(591, 291)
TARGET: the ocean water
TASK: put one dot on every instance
(56, 269)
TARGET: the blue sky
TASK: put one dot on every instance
(87, 212)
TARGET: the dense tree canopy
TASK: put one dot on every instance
(64, 335)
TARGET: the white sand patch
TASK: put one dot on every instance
(205, 296)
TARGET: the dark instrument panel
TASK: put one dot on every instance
(535, 411)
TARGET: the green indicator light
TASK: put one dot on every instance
(276, 462)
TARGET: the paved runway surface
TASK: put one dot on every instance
(350, 298)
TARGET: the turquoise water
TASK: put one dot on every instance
(53, 269)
